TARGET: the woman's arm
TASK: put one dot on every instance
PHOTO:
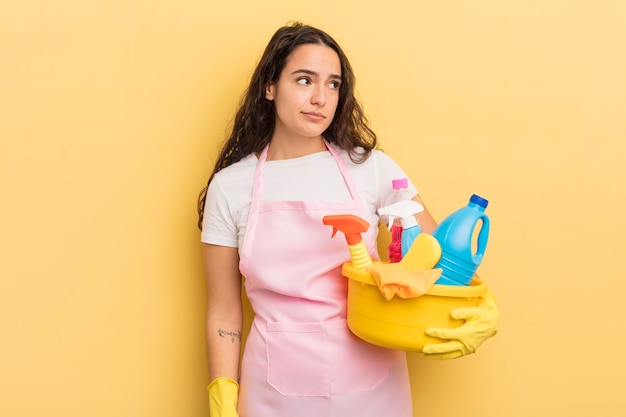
(425, 219)
(224, 315)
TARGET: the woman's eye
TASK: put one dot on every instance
(335, 85)
(303, 81)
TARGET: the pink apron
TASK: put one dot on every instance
(300, 358)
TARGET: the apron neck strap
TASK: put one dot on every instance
(257, 188)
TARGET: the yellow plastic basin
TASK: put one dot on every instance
(401, 323)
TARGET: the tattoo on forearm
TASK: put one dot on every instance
(232, 335)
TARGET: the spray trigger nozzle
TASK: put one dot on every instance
(352, 226)
(404, 210)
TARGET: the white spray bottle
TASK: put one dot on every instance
(405, 211)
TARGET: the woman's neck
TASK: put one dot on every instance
(294, 148)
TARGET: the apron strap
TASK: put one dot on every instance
(257, 188)
(343, 168)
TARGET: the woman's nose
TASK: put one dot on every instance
(319, 95)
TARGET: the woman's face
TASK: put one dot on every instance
(307, 92)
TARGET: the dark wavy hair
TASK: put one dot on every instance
(254, 121)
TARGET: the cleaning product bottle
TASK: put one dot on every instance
(405, 211)
(401, 193)
(394, 249)
(456, 235)
(352, 226)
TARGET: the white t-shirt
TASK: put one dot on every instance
(311, 177)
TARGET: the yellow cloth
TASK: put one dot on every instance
(481, 323)
(393, 279)
(223, 395)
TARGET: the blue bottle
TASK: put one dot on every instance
(456, 235)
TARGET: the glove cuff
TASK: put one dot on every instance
(222, 383)
(488, 301)
(223, 397)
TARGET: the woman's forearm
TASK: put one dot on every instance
(224, 316)
(223, 343)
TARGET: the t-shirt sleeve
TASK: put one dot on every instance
(388, 170)
(218, 224)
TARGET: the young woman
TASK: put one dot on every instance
(300, 149)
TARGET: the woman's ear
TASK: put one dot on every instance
(269, 92)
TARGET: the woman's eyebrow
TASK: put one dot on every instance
(314, 74)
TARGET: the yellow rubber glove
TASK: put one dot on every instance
(223, 395)
(481, 323)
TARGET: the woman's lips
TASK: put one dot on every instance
(314, 115)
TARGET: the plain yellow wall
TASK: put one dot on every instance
(111, 113)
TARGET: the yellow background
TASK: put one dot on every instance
(111, 113)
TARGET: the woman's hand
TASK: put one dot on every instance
(481, 323)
